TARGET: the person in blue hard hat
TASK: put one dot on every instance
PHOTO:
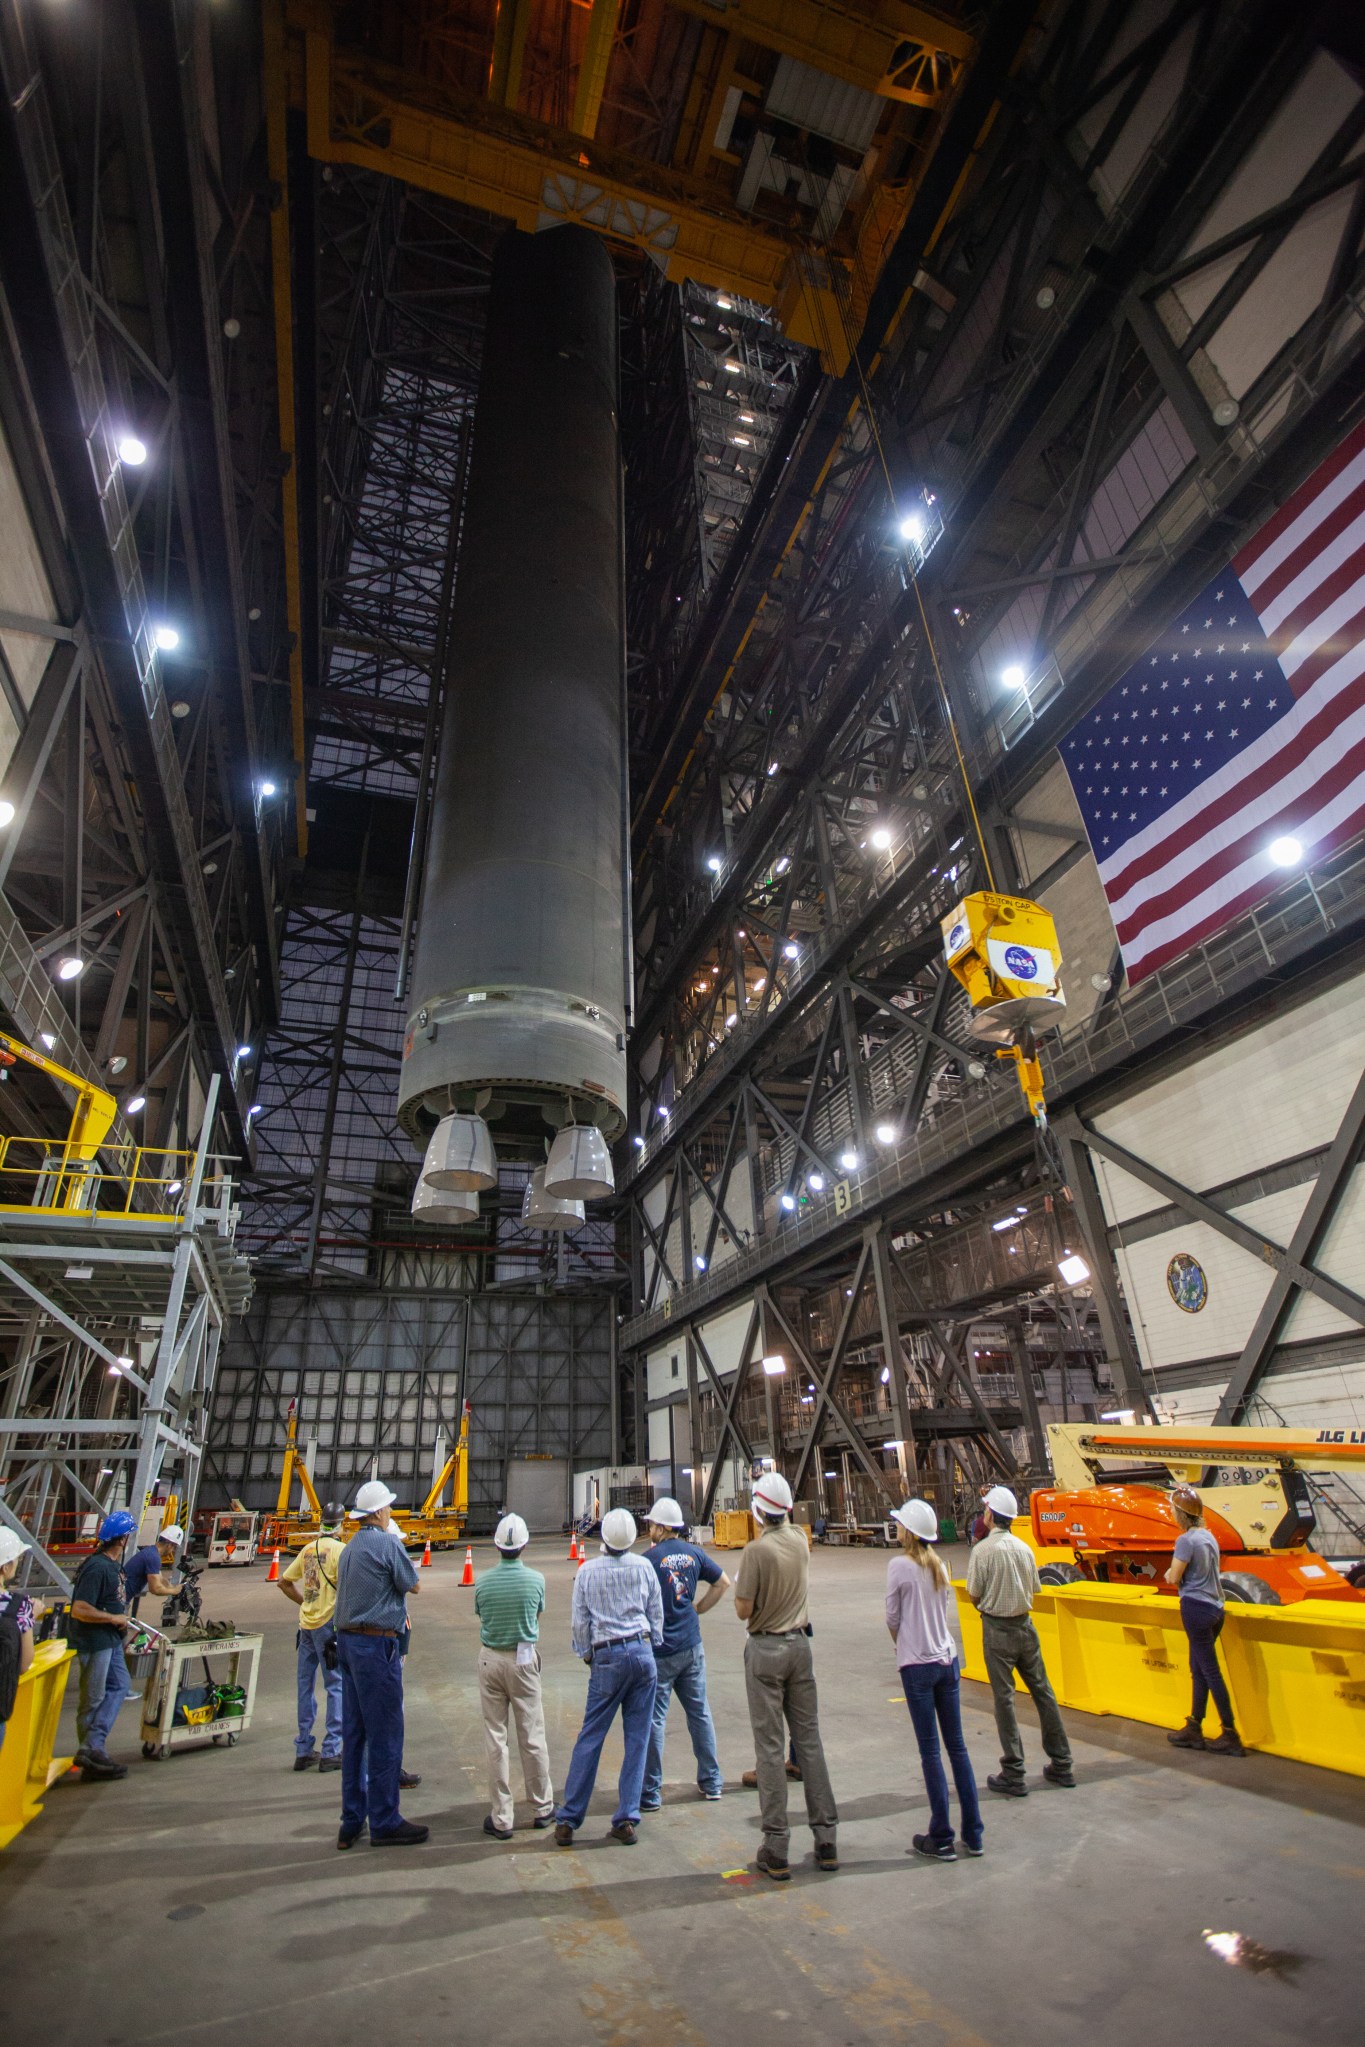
(99, 1617)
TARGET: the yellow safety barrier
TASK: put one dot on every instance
(1296, 1673)
(27, 1765)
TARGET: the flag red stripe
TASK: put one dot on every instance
(1308, 549)
(1337, 583)
(1311, 733)
(1142, 964)
(1295, 816)
(1338, 642)
(1326, 472)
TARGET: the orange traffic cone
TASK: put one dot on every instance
(573, 1545)
(272, 1576)
(426, 1556)
(577, 1552)
(582, 1556)
(468, 1578)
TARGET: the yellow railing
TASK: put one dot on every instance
(27, 1765)
(43, 1176)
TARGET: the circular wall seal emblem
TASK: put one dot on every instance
(1021, 963)
(1187, 1283)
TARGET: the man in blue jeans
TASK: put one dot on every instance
(99, 1617)
(680, 1663)
(375, 1578)
(310, 1583)
(617, 1624)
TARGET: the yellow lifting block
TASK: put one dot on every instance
(27, 1765)
(1005, 952)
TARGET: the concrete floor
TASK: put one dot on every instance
(202, 1900)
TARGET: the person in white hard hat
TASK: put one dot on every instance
(680, 1663)
(779, 1679)
(375, 1579)
(618, 1623)
(509, 1601)
(1002, 1584)
(16, 1615)
(146, 1569)
(918, 1598)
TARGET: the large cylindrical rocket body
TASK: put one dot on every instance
(520, 973)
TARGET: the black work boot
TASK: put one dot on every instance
(1228, 1743)
(1191, 1735)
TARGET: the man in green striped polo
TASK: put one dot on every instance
(509, 1601)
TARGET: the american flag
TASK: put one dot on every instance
(1241, 729)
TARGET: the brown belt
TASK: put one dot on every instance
(391, 1633)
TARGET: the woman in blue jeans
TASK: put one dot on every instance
(1195, 1572)
(917, 1597)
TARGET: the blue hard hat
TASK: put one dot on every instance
(120, 1522)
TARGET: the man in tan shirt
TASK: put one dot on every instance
(310, 1583)
(779, 1679)
(1002, 1580)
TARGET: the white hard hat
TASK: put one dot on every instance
(174, 1534)
(666, 1514)
(772, 1494)
(618, 1529)
(919, 1517)
(1001, 1501)
(511, 1533)
(373, 1495)
(12, 1545)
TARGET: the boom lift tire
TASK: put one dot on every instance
(1060, 1574)
(1248, 1588)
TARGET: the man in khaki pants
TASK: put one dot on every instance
(779, 1678)
(509, 1601)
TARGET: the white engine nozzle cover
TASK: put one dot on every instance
(439, 1205)
(460, 1156)
(579, 1165)
(544, 1211)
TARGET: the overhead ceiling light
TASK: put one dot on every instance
(699, 1262)
(747, 418)
(6, 812)
(638, 1142)
(772, 767)
(254, 1110)
(175, 1187)
(714, 862)
(912, 528)
(179, 708)
(1126, 1415)
(83, 1272)
(244, 1051)
(881, 838)
(886, 1381)
(783, 864)
(1286, 852)
(885, 1133)
(732, 366)
(167, 638)
(848, 1160)
(789, 1201)
(831, 1474)
(816, 1182)
(741, 441)
(71, 967)
(1013, 677)
(1225, 412)
(132, 452)
(1073, 1269)
(774, 1367)
(118, 1064)
(1045, 298)
(268, 789)
(760, 984)
(210, 867)
(731, 1020)
(134, 1104)
(125, 1362)
(791, 950)
(726, 305)
(1006, 1222)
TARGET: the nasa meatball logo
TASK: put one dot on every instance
(1020, 962)
(956, 937)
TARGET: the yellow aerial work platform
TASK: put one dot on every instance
(1296, 1673)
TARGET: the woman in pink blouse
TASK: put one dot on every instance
(917, 1599)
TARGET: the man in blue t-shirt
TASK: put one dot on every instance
(680, 1660)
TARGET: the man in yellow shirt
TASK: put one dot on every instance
(310, 1582)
